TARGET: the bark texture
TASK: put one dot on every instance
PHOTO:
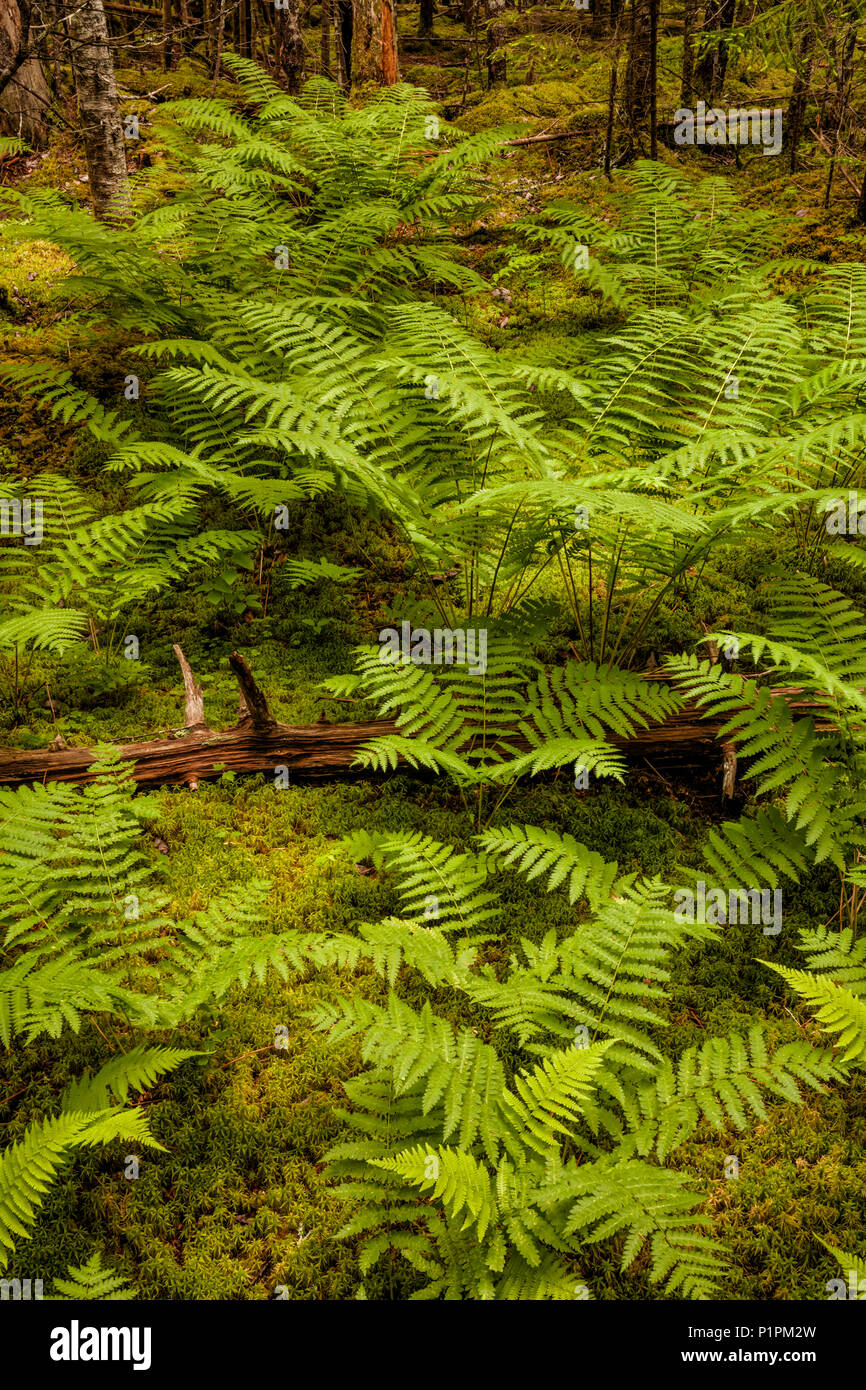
(637, 77)
(24, 96)
(98, 107)
(290, 47)
(374, 43)
(258, 743)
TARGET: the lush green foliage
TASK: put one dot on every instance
(525, 1105)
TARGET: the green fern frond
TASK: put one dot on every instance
(93, 1283)
(840, 1013)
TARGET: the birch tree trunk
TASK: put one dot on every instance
(98, 108)
(24, 97)
(374, 43)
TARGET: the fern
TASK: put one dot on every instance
(92, 1282)
(28, 1167)
(840, 1012)
(464, 1163)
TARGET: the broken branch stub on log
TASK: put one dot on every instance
(253, 704)
(193, 694)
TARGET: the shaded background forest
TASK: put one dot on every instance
(628, 64)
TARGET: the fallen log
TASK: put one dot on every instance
(257, 743)
(316, 752)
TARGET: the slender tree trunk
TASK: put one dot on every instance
(207, 28)
(496, 33)
(166, 35)
(98, 107)
(687, 89)
(425, 18)
(344, 22)
(653, 77)
(325, 38)
(186, 42)
(374, 43)
(861, 206)
(290, 47)
(24, 97)
(220, 39)
(637, 79)
(800, 93)
(712, 69)
(267, 29)
(611, 107)
(844, 47)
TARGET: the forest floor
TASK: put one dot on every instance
(237, 1205)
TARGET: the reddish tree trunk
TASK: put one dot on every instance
(374, 43)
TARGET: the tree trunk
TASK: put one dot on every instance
(611, 110)
(374, 43)
(344, 21)
(710, 72)
(653, 76)
(496, 32)
(290, 46)
(98, 108)
(687, 89)
(325, 39)
(425, 19)
(637, 77)
(219, 41)
(843, 46)
(861, 206)
(244, 44)
(800, 93)
(167, 50)
(24, 97)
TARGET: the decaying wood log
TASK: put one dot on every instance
(316, 752)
